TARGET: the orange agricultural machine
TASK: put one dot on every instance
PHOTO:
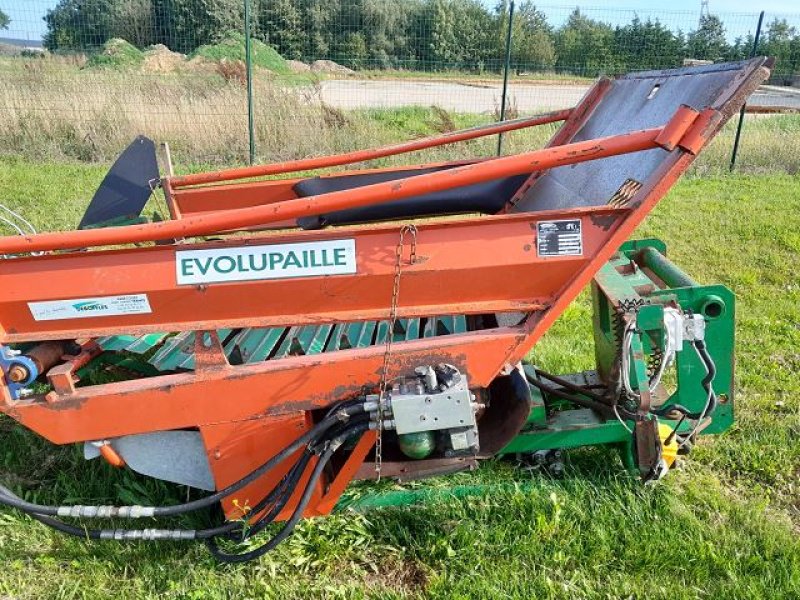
(276, 338)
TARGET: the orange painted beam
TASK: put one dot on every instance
(322, 162)
(371, 194)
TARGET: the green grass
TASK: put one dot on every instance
(232, 48)
(726, 526)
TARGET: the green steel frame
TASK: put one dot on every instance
(641, 278)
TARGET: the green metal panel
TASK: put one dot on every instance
(404, 330)
(173, 352)
(131, 343)
(429, 495)
(178, 351)
(351, 335)
(446, 325)
(569, 429)
(254, 344)
(309, 339)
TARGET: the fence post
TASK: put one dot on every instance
(505, 75)
(741, 112)
(248, 59)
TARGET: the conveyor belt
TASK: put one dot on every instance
(252, 345)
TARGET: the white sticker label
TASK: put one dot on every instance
(84, 308)
(559, 238)
(277, 261)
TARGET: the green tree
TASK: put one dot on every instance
(533, 47)
(133, 20)
(352, 50)
(647, 45)
(386, 26)
(439, 48)
(585, 46)
(281, 25)
(183, 25)
(4, 20)
(320, 17)
(782, 41)
(78, 24)
(708, 41)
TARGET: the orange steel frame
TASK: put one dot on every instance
(246, 413)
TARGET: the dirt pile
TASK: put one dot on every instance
(160, 59)
(296, 66)
(333, 68)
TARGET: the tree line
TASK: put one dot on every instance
(414, 34)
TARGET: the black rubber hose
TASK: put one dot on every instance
(277, 498)
(702, 351)
(281, 493)
(600, 407)
(343, 414)
(574, 387)
(679, 408)
(268, 518)
(97, 534)
(289, 526)
(178, 509)
(226, 529)
(711, 373)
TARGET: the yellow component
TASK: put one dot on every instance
(669, 452)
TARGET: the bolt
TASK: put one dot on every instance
(423, 417)
(18, 374)
(539, 457)
(217, 454)
(428, 400)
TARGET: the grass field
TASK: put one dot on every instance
(57, 109)
(725, 526)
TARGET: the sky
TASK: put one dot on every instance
(739, 15)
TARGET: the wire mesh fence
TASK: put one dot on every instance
(80, 78)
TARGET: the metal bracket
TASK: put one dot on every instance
(19, 371)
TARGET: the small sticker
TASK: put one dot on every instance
(276, 261)
(559, 238)
(84, 308)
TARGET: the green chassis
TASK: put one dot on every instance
(638, 281)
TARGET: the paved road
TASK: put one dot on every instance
(485, 97)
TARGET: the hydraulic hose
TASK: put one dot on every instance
(600, 407)
(280, 495)
(289, 526)
(711, 373)
(126, 534)
(339, 416)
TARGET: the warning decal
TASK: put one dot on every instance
(559, 238)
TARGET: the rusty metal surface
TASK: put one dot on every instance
(410, 470)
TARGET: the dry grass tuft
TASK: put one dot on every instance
(442, 122)
(49, 113)
(52, 110)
